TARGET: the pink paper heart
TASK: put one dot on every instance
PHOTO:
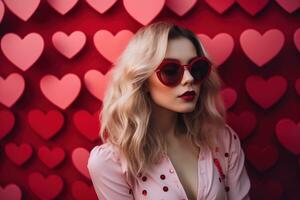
(11, 192)
(45, 187)
(180, 7)
(219, 48)
(2, 10)
(101, 5)
(80, 159)
(297, 86)
(229, 96)
(62, 6)
(143, 11)
(254, 6)
(51, 157)
(96, 82)
(261, 48)
(81, 190)
(11, 89)
(297, 39)
(7, 120)
(266, 92)
(61, 92)
(288, 134)
(22, 9)
(111, 46)
(289, 5)
(18, 154)
(22, 52)
(70, 45)
(220, 5)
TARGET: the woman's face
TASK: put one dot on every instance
(181, 49)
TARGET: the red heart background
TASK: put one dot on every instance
(49, 107)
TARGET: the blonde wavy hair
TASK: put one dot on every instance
(125, 117)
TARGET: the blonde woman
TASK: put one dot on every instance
(163, 125)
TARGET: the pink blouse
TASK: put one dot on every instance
(221, 174)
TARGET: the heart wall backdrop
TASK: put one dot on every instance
(55, 59)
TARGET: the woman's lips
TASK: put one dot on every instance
(188, 97)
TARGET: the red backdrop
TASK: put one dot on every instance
(51, 85)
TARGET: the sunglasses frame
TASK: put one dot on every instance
(188, 66)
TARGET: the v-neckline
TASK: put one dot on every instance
(182, 188)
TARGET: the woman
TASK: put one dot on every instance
(165, 123)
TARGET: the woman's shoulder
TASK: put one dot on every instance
(227, 137)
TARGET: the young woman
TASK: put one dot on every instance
(163, 125)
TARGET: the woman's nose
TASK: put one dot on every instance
(187, 77)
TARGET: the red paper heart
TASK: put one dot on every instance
(289, 5)
(45, 188)
(219, 48)
(80, 159)
(266, 92)
(111, 46)
(2, 10)
(237, 122)
(297, 39)
(7, 120)
(262, 158)
(254, 6)
(10, 192)
(69, 45)
(297, 86)
(51, 157)
(22, 52)
(261, 48)
(62, 6)
(18, 154)
(11, 89)
(61, 92)
(45, 125)
(143, 11)
(288, 134)
(22, 9)
(220, 5)
(269, 189)
(180, 7)
(81, 190)
(87, 124)
(100, 5)
(229, 96)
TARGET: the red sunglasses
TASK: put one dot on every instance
(170, 72)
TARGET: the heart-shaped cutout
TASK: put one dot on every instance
(289, 5)
(62, 7)
(229, 97)
(80, 159)
(51, 157)
(23, 9)
(100, 5)
(254, 6)
(11, 192)
(220, 6)
(7, 119)
(18, 154)
(180, 7)
(297, 86)
(2, 11)
(297, 39)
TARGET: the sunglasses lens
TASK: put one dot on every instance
(200, 69)
(170, 73)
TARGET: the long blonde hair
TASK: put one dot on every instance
(126, 110)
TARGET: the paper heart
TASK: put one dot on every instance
(61, 92)
(80, 159)
(220, 5)
(2, 10)
(22, 52)
(181, 7)
(100, 5)
(62, 6)
(87, 124)
(262, 158)
(297, 39)
(111, 46)
(219, 48)
(81, 190)
(229, 97)
(266, 92)
(297, 86)
(254, 6)
(11, 192)
(288, 134)
(96, 82)
(18, 154)
(7, 119)
(22, 9)
(289, 5)
(261, 48)
(268, 189)
(51, 157)
(237, 122)
(45, 187)
(70, 45)
(45, 125)
(11, 89)
(143, 11)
